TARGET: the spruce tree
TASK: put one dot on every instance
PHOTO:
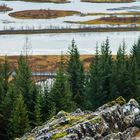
(5, 110)
(37, 110)
(60, 92)
(6, 97)
(120, 73)
(105, 71)
(48, 105)
(25, 85)
(94, 83)
(5, 74)
(134, 71)
(18, 121)
(76, 75)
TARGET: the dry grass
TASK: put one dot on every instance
(45, 63)
(137, 134)
(42, 14)
(112, 20)
(112, 14)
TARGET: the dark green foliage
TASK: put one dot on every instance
(6, 97)
(5, 73)
(23, 81)
(26, 87)
(60, 92)
(37, 110)
(18, 121)
(122, 75)
(99, 85)
(94, 82)
(48, 106)
(76, 75)
(134, 69)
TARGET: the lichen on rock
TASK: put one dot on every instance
(116, 120)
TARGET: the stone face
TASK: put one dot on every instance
(116, 120)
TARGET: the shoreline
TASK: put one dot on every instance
(45, 1)
(108, 1)
(72, 30)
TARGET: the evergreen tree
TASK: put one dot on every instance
(37, 110)
(5, 74)
(119, 74)
(6, 97)
(134, 72)
(18, 121)
(135, 52)
(5, 110)
(93, 87)
(48, 106)
(60, 92)
(76, 75)
(24, 84)
(105, 71)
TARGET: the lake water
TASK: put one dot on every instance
(55, 43)
(84, 7)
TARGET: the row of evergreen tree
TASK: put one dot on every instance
(24, 104)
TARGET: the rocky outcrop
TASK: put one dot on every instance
(116, 120)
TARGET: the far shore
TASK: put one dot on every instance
(71, 30)
(108, 1)
(114, 20)
(45, 1)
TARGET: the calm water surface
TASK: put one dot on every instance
(55, 43)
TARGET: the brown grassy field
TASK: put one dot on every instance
(42, 14)
(45, 63)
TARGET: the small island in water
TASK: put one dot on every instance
(42, 14)
(4, 8)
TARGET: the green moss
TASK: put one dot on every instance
(96, 120)
(120, 100)
(31, 138)
(73, 119)
(59, 135)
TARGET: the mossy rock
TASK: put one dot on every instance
(96, 120)
(31, 138)
(61, 114)
(120, 100)
(59, 135)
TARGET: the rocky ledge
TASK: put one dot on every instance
(116, 120)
